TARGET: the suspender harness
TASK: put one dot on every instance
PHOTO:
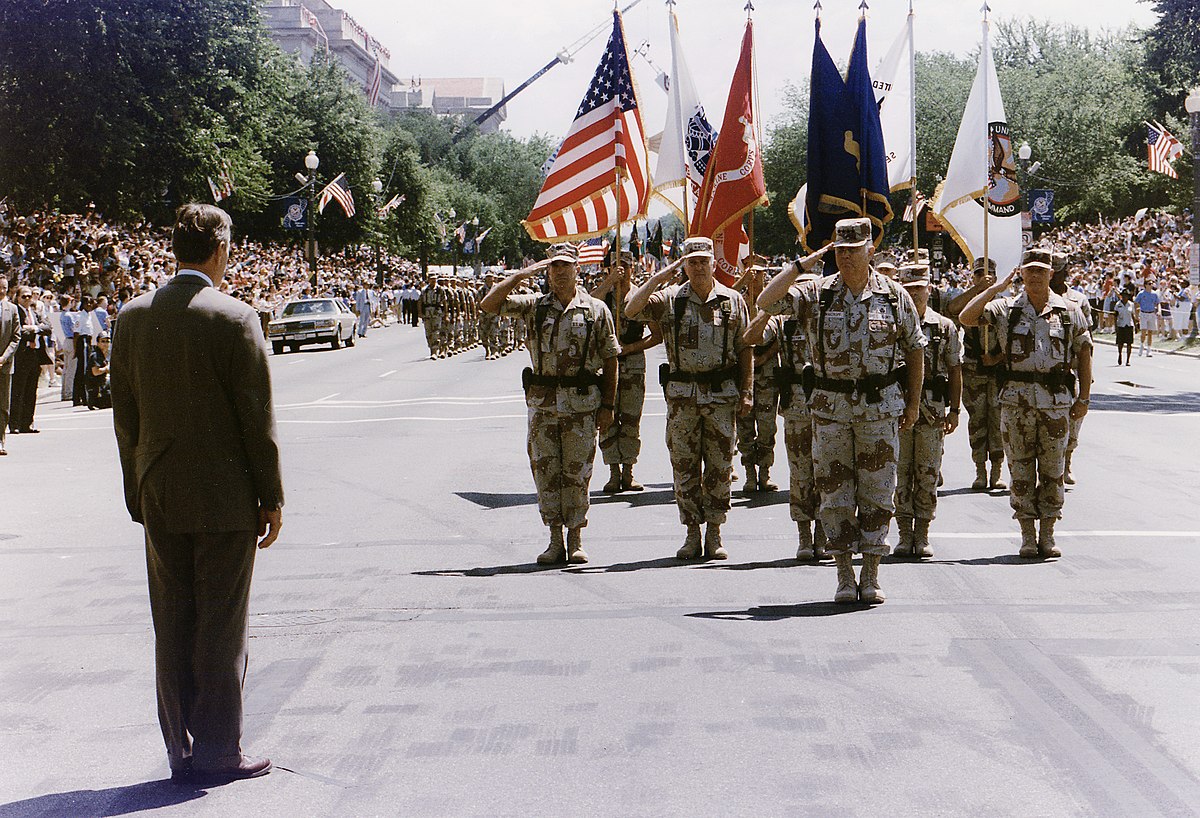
(871, 386)
(581, 380)
(937, 384)
(715, 378)
(1054, 381)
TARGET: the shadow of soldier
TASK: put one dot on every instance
(774, 613)
(123, 800)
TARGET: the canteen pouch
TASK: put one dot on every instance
(940, 388)
(1071, 382)
(526, 379)
(808, 380)
(664, 375)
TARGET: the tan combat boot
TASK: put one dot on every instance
(1029, 540)
(751, 484)
(713, 549)
(847, 589)
(557, 552)
(575, 552)
(805, 551)
(904, 526)
(920, 541)
(868, 581)
(614, 480)
(627, 481)
(981, 479)
(1068, 478)
(819, 542)
(764, 479)
(692, 548)
(997, 482)
(1046, 539)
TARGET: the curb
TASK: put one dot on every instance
(1191, 352)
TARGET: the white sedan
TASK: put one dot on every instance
(312, 321)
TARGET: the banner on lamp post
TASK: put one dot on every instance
(1041, 206)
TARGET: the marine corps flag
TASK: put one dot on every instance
(733, 181)
(601, 175)
(831, 192)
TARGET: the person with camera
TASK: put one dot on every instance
(1047, 381)
(920, 459)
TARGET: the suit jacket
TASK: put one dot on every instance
(35, 356)
(191, 393)
(10, 335)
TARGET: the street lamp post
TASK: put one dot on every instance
(312, 162)
(376, 188)
(1192, 104)
(475, 243)
(454, 242)
(1023, 155)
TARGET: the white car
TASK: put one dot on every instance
(312, 321)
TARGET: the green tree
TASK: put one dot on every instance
(1173, 53)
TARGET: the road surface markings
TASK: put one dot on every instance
(389, 372)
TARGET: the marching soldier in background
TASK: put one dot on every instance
(707, 382)
(792, 337)
(980, 388)
(756, 431)
(921, 446)
(621, 444)
(1058, 283)
(429, 309)
(866, 343)
(1045, 342)
(487, 322)
(571, 341)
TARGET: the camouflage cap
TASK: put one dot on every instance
(564, 252)
(1037, 257)
(886, 266)
(698, 246)
(977, 266)
(852, 232)
(1058, 261)
(913, 275)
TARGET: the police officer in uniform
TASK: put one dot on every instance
(921, 446)
(1058, 283)
(622, 443)
(571, 342)
(707, 382)
(865, 387)
(1047, 381)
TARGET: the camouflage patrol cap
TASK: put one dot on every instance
(977, 266)
(756, 262)
(698, 246)
(1037, 257)
(913, 275)
(922, 255)
(852, 232)
(887, 267)
(1058, 261)
(564, 252)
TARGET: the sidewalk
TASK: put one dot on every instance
(1183, 345)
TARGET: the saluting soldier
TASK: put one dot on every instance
(707, 382)
(981, 368)
(1047, 381)
(921, 446)
(865, 337)
(622, 443)
(569, 390)
(756, 431)
(793, 339)
(1058, 283)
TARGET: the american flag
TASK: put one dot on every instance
(339, 191)
(1162, 148)
(581, 196)
(920, 202)
(391, 205)
(592, 251)
(376, 82)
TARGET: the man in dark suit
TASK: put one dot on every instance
(10, 337)
(33, 352)
(195, 429)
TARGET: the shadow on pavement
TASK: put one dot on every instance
(759, 499)
(525, 568)
(621, 567)
(113, 801)
(662, 495)
(773, 613)
(790, 562)
(1000, 559)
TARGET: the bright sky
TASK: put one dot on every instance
(512, 39)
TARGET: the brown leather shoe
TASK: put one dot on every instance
(247, 768)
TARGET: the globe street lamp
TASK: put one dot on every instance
(1023, 155)
(312, 162)
(1192, 105)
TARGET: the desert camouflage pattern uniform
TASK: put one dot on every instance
(623, 442)
(1034, 419)
(562, 420)
(1079, 300)
(756, 431)
(488, 328)
(429, 308)
(980, 390)
(921, 446)
(700, 416)
(855, 442)
(793, 339)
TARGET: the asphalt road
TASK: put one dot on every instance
(408, 658)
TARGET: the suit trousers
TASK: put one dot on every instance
(26, 371)
(199, 603)
(5, 388)
(69, 366)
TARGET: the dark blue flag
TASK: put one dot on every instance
(295, 213)
(833, 186)
(867, 139)
(1041, 206)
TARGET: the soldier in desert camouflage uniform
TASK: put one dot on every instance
(792, 338)
(487, 321)
(865, 337)
(756, 431)
(1045, 342)
(571, 341)
(707, 382)
(622, 443)
(429, 309)
(921, 446)
(980, 386)
(1058, 284)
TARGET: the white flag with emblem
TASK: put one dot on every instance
(893, 82)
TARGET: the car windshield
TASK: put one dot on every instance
(309, 308)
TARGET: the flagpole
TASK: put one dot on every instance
(912, 103)
(757, 125)
(987, 163)
(618, 301)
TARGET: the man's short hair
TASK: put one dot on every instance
(199, 230)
